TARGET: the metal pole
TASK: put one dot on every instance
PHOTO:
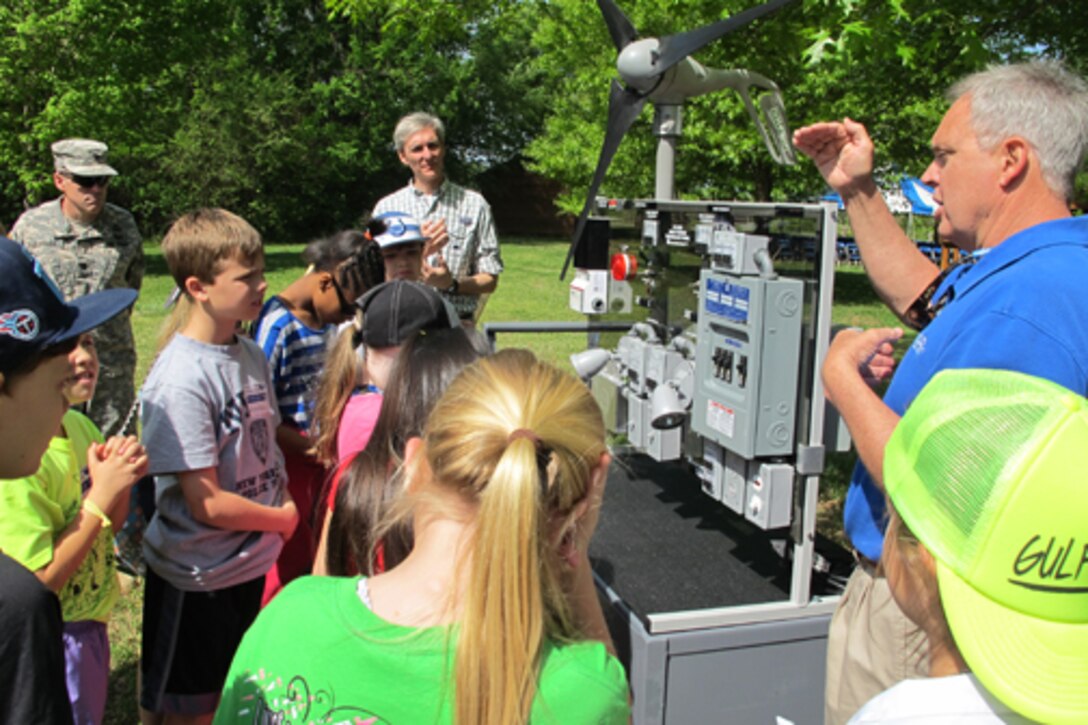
(668, 125)
(804, 550)
(492, 329)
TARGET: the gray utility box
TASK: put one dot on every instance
(698, 603)
(719, 604)
(747, 359)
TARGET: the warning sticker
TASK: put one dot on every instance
(721, 418)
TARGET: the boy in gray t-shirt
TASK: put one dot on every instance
(209, 420)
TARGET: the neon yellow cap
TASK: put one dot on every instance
(989, 469)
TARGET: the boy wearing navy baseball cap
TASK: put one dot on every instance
(37, 331)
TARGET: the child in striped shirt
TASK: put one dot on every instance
(294, 330)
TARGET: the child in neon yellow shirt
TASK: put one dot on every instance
(58, 523)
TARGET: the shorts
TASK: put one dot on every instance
(87, 669)
(189, 640)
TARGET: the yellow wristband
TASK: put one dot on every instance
(92, 508)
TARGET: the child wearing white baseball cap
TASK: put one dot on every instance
(401, 240)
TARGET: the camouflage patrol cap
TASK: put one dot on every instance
(82, 156)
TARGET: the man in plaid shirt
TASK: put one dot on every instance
(461, 258)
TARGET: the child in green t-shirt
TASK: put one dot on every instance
(58, 523)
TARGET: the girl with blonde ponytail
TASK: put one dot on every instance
(493, 616)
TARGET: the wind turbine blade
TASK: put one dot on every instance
(619, 27)
(624, 105)
(777, 136)
(675, 48)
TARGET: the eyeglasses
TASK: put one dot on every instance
(88, 182)
(346, 307)
(430, 146)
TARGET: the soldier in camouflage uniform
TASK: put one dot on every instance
(89, 245)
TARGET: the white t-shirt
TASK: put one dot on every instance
(936, 701)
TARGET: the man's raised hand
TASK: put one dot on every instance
(842, 151)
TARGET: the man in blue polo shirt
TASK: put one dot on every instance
(1003, 174)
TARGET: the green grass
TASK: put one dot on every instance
(529, 290)
(121, 707)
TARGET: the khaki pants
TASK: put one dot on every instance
(871, 646)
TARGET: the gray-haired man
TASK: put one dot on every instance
(1004, 158)
(462, 253)
(88, 245)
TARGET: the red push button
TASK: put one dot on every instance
(624, 267)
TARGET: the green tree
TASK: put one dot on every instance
(274, 108)
(113, 71)
(283, 109)
(883, 62)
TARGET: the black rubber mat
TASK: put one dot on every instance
(665, 546)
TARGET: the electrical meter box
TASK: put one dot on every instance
(594, 291)
(746, 362)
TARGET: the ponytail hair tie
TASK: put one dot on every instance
(523, 433)
(543, 456)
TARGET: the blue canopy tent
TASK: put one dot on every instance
(920, 200)
(833, 196)
(911, 197)
(911, 189)
(919, 195)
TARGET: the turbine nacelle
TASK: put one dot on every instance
(638, 67)
(638, 64)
